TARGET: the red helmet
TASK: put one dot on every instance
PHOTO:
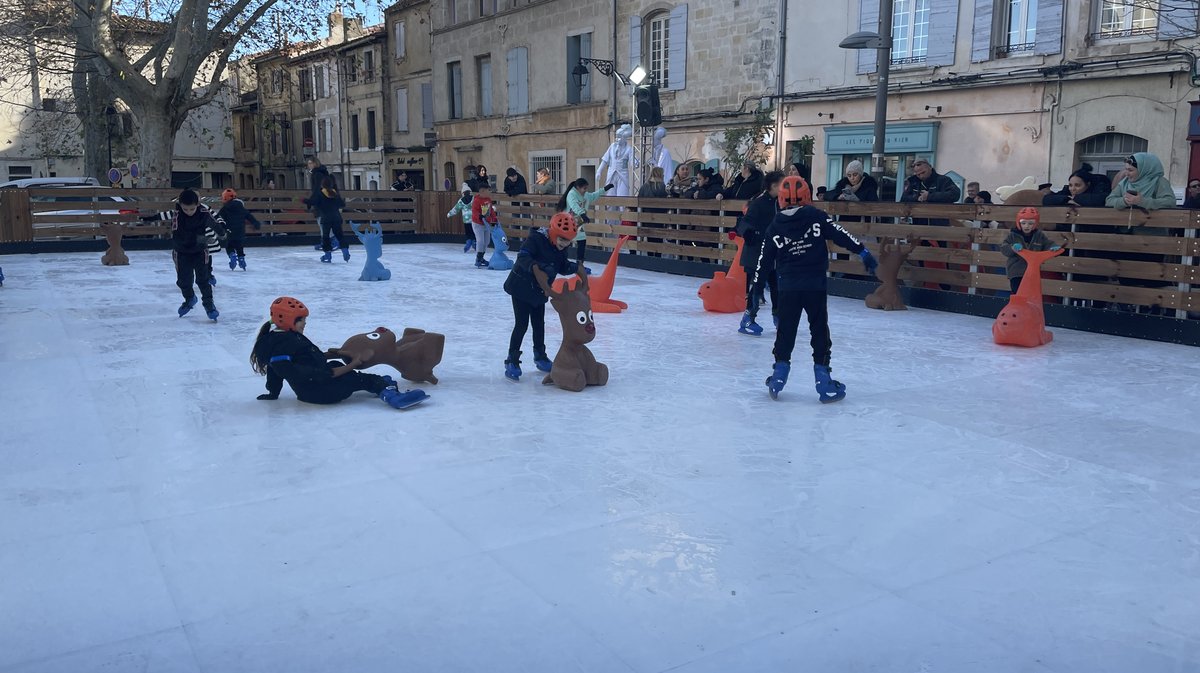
(563, 225)
(794, 191)
(1029, 213)
(285, 311)
(228, 195)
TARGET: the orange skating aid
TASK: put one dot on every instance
(1023, 322)
(600, 289)
(726, 292)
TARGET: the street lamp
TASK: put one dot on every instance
(883, 67)
(638, 76)
(603, 66)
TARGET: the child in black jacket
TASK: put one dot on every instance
(189, 245)
(545, 249)
(795, 249)
(753, 224)
(1025, 235)
(236, 215)
(285, 354)
(328, 204)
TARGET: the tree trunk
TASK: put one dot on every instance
(157, 129)
(92, 97)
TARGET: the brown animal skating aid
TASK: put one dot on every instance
(114, 256)
(575, 368)
(414, 356)
(891, 258)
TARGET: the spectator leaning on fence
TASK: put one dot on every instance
(1084, 189)
(1191, 198)
(747, 185)
(681, 182)
(514, 182)
(856, 186)
(542, 184)
(926, 185)
(1142, 184)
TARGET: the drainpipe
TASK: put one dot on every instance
(781, 60)
(612, 119)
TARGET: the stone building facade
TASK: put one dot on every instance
(994, 91)
(503, 88)
(409, 131)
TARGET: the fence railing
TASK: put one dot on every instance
(1129, 257)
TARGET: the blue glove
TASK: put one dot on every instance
(1017, 247)
(869, 261)
(1055, 248)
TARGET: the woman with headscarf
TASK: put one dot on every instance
(1142, 184)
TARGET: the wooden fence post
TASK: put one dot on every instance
(16, 222)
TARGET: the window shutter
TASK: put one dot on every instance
(585, 51)
(511, 82)
(677, 48)
(981, 34)
(427, 105)
(401, 47)
(943, 31)
(1176, 18)
(868, 19)
(518, 80)
(401, 109)
(1048, 39)
(635, 42)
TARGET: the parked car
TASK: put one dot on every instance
(49, 183)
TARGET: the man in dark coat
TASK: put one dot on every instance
(926, 185)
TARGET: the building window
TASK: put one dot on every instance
(371, 138)
(402, 109)
(451, 12)
(1020, 27)
(321, 90)
(518, 81)
(246, 125)
(276, 82)
(49, 105)
(354, 144)
(454, 81)
(400, 45)
(487, 7)
(910, 31)
(483, 72)
(660, 40)
(20, 172)
(427, 105)
(357, 182)
(449, 173)
(351, 69)
(553, 161)
(1107, 152)
(369, 65)
(578, 46)
(308, 136)
(1126, 18)
(306, 79)
(285, 135)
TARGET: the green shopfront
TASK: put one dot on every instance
(904, 143)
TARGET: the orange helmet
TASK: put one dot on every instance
(563, 225)
(794, 191)
(228, 195)
(285, 311)
(1029, 213)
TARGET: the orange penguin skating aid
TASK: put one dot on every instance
(726, 292)
(1023, 322)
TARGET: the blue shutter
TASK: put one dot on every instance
(1176, 18)
(516, 83)
(1050, 27)
(981, 34)
(868, 19)
(635, 42)
(943, 31)
(677, 50)
(523, 78)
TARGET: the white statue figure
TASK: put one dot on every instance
(618, 160)
(661, 156)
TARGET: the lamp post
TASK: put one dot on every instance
(882, 43)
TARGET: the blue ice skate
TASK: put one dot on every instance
(327, 257)
(187, 305)
(241, 260)
(512, 367)
(748, 326)
(232, 261)
(211, 311)
(778, 379)
(402, 400)
(542, 362)
(828, 389)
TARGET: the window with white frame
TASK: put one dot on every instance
(454, 89)
(277, 82)
(1020, 26)
(321, 77)
(325, 133)
(400, 47)
(553, 161)
(1126, 18)
(368, 61)
(659, 33)
(402, 109)
(910, 31)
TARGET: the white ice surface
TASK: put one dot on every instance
(968, 508)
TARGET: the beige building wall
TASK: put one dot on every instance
(409, 101)
(532, 120)
(363, 76)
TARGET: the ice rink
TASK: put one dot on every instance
(968, 508)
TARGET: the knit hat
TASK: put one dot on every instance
(285, 311)
(562, 225)
(855, 166)
(228, 195)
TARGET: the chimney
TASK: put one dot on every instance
(337, 27)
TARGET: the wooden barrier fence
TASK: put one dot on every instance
(1139, 258)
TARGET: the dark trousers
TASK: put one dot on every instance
(524, 315)
(791, 304)
(337, 389)
(193, 268)
(235, 247)
(581, 251)
(333, 227)
(772, 289)
(1015, 283)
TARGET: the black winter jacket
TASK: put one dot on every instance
(716, 185)
(795, 249)
(328, 208)
(187, 232)
(941, 189)
(295, 359)
(745, 188)
(235, 214)
(760, 212)
(868, 189)
(537, 251)
(515, 187)
(316, 181)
